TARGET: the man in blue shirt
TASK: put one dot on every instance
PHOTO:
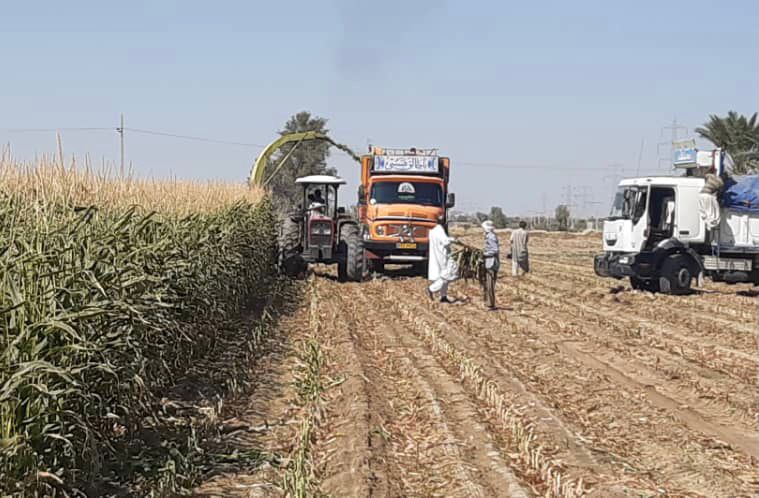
(492, 262)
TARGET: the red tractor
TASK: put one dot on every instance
(321, 232)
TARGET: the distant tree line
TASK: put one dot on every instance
(561, 221)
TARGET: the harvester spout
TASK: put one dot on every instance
(257, 172)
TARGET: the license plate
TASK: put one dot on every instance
(406, 245)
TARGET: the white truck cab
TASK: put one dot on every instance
(646, 209)
(656, 236)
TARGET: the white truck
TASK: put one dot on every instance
(659, 235)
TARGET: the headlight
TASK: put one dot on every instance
(321, 229)
(380, 230)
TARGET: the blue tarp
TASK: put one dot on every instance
(742, 193)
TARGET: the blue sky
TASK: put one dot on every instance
(548, 90)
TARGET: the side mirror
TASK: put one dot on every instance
(341, 210)
(361, 195)
(450, 200)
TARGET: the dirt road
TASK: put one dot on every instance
(576, 386)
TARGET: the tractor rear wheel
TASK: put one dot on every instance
(350, 266)
(290, 258)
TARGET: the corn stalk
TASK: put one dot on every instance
(103, 307)
(470, 262)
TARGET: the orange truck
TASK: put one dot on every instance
(402, 193)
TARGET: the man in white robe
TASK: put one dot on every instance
(441, 269)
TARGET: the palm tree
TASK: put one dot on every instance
(738, 136)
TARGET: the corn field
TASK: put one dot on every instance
(112, 288)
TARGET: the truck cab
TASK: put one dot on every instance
(648, 236)
(402, 193)
(657, 234)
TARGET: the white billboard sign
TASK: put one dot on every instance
(405, 164)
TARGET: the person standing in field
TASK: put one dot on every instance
(520, 258)
(441, 268)
(492, 262)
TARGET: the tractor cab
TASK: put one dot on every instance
(320, 215)
(320, 189)
(321, 232)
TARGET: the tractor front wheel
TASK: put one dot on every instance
(290, 259)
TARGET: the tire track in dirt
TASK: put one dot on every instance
(533, 457)
(542, 416)
(651, 450)
(731, 301)
(347, 451)
(679, 377)
(728, 309)
(741, 330)
(667, 365)
(742, 365)
(745, 441)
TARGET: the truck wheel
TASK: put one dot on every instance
(290, 259)
(376, 265)
(638, 284)
(420, 268)
(643, 285)
(676, 275)
(350, 265)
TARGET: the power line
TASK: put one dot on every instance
(190, 137)
(538, 166)
(121, 131)
(49, 130)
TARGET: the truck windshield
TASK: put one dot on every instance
(629, 203)
(395, 192)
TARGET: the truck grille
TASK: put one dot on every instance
(734, 264)
(405, 230)
(320, 240)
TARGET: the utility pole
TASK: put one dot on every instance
(568, 203)
(614, 177)
(120, 131)
(640, 156)
(667, 147)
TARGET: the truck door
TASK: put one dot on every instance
(661, 215)
(689, 225)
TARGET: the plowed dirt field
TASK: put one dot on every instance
(575, 386)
